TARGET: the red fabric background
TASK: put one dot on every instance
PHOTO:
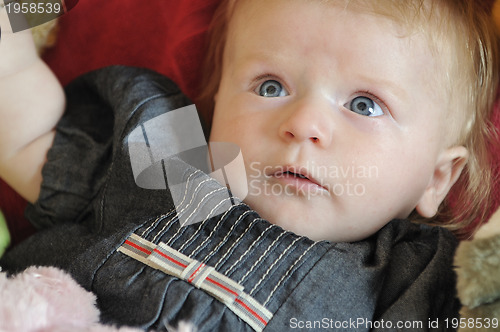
(164, 35)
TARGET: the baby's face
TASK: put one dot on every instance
(336, 114)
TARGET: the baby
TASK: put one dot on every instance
(312, 89)
(351, 117)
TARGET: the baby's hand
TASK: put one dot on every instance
(17, 50)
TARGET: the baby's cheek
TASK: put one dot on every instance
(404, 191)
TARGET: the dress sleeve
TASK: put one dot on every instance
(100, 106)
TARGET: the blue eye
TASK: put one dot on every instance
(272, 88)
(365, 106)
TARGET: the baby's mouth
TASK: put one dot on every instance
(292, 174)
(298, 177)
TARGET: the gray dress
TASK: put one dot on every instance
(231, 272)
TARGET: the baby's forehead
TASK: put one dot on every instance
(431, 18)
(410, 20)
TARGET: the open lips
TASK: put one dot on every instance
(297, 174)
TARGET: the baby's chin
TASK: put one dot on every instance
(288, 217)
(307, 221)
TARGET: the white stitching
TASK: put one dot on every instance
(213, 230)
(287, 273)
(229, 271)
(183, 208)
(261, 257)
(153, 224)
(185, 194)
(168, 224)
(187, 184)
(237, 241)
(221, 243)
(274, 264)
(196, 233)
(201, 201)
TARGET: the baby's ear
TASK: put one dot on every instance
(448, 167)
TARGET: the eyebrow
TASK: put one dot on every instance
(388, 86)
(258, 60)
(259, 57)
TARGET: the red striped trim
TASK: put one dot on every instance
(222, 286)
(170, 258)
(252, 312)
(249, 315)
(193, 275)
(138, 247)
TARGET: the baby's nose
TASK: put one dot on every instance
(308, 122)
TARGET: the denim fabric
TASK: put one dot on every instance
(90, 204)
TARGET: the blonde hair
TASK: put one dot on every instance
(468, 29)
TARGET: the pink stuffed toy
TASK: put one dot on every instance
(48, 299)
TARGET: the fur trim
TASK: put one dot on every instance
(491, 310)
(478, 271)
